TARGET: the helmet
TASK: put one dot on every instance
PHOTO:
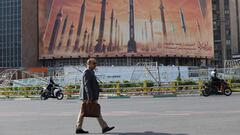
(213, 73)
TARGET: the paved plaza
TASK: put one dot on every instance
(214, 115)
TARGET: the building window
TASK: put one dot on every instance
(228, 42)
(10, 33)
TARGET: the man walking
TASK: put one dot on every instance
(90, 93)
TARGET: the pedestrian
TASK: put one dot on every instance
(90, 93)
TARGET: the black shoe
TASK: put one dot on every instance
(81, 131)
(106, 129)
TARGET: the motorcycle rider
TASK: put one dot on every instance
(51, 86)
(215, 81)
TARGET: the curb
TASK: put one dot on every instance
(22, 99)
(165, 95)
(188, 95)
(108, 97)
(142, 96)
(117, 97)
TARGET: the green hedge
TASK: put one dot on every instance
(74, 89)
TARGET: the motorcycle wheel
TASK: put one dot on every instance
(228, 92)
(205, 93)
(59, 95)
(44, 96)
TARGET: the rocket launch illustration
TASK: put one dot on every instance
(92, 34)
(100, 47)
(116, 32)
(124, 28)
(131, 43)
(56, 28)
(70, 37)
(63, 33)
(203, 7)
(111, 33)
(80, 24)
(118, 39)
(146, 31)
(152, 32)
(199, 29)
(183, 24)
(164, 29)
(84, 40)
(88, 41)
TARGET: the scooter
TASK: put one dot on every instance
(56, 92)
(223, 89)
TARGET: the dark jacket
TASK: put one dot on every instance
(89, 86)
(215, 81)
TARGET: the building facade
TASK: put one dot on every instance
(221, 27)
(226, 25)
(10, 33)
(19, 38)
(18, 33)
(235, 27)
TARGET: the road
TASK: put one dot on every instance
(214, 115)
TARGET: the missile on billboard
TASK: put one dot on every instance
(55, 31)
(199, 29)
(183, 24)
(100, 45)
(110, 45)
(84, 40)
(88, 42)
(103, 48)
(118, 41)
(203, 7)
(173, 28)
(79, 30)
(146, 31)
(121, 39)
(164, 29)
(63, 32)
(70, 37)
(116, 31)
(92, 34)
(173, 31)
(143, 37)
(132, 47)
(48, 9)
(152, 32)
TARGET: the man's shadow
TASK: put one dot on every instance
(147, 133)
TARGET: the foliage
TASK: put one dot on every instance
(189, 82)
(125, 86)
(178, 79)
(150, 83)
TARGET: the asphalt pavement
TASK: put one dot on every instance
(213, 115)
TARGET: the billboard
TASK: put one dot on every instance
(125, 28)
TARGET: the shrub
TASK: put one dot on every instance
(178, 79)
(188, 83)
(150, 83)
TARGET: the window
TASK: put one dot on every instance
(228, 42)
(10, 33)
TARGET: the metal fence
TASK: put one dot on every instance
(151, 72)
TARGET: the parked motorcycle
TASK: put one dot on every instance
(222, 89)
(56, 92)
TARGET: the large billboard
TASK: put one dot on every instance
(119, 28)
